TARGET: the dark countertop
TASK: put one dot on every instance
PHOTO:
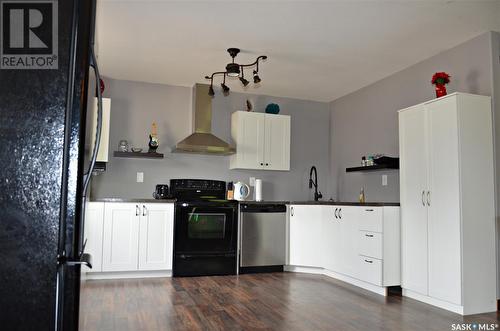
(343, 203)
(134, 200)
(326, 202)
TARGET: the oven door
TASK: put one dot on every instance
(205, 228)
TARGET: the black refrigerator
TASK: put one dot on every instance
(47, 71)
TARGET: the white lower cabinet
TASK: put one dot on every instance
(123, 237)
(305, 229)
(356, 242)
(156, 237)
(120, 248)
(93, 231)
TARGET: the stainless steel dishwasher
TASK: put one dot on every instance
(263, 237)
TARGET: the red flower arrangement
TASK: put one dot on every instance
(440, 79)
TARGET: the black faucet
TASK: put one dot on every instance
(317, 195)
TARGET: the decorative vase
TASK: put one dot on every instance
(440, 90)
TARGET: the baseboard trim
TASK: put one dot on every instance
(434, 302)
(126, 274)
(346, 279)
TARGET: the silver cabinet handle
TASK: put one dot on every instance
(144, 210)
(423, 197)
(340, 213)
(137, 210)
(368, 261)
(368, 209)
(428, 198)
(291, 211)
(369, 235)
(335, 213)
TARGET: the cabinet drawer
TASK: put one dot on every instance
(370, 219)
(370, 244)
(370, 270)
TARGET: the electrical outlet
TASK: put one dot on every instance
(384, 180)
(140, 177)
(252, 181)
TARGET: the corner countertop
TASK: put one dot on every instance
(328, 203)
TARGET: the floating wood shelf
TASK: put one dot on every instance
(373, 168)
(138, 155)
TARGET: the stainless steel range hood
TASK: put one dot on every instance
(202, 141)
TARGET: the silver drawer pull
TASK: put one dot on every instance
(369, 235)
(368, 209)
(368, 261)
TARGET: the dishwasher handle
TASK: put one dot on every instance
(263, 208)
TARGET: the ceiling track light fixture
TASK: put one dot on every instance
(235, 70)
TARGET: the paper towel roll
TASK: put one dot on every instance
(258, 190)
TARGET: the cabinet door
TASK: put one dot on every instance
(248, 130)
(413, 187)
(93, 229)
(102, 154)
(349, 251)
(121, 236)
(156, 236)
(444, 202)
(332, 238)
(277, 142)
(305, 236)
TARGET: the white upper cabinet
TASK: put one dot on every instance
(447, 203)
(103, 152)
(262, 141)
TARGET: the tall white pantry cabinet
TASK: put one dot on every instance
(447, 203)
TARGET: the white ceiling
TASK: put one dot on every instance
(318, 50)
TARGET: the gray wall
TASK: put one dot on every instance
(495, 59)
(135, 105)
(366, 122)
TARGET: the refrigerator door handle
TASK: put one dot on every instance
(85, 259)
(86, 178)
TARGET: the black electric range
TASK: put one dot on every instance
(205, 228)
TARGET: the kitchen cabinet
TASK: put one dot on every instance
(123, 237)
(103, 152)
(93, 232)
(447, 204)
(340, 230)
(358, 242)
(155, 236)
(262, 141)
(306, 227)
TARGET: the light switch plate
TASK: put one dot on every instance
(252, 181)
(140, 177)
(384, 180)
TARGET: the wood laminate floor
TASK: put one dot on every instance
(277, 301)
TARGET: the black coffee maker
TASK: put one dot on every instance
(161, 192)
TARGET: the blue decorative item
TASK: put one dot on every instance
(273, 108)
